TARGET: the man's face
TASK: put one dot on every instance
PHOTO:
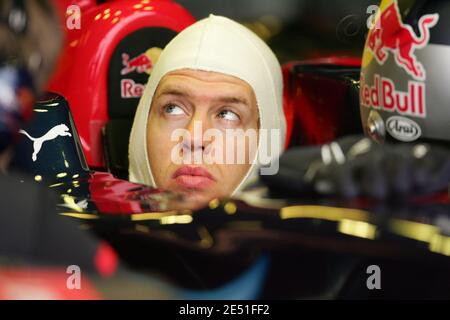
(200, 103)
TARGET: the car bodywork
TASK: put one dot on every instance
(137, 219)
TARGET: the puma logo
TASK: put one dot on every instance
(59, 130)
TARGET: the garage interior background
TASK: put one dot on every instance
(298, 29)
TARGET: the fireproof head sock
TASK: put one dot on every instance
(217, 44)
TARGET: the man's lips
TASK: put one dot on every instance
(193, 177)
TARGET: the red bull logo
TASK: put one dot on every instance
(142, 63)
(393, 36)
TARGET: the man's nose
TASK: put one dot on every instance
(196, 128)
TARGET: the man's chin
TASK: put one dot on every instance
(194, 200)
(190, 199)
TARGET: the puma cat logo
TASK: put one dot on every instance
(59, 130)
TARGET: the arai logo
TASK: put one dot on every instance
(403, 129)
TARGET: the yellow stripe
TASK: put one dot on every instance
(84, 216)
(413, 230)
(152, 215)
(324, 213)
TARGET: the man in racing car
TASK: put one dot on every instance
(214, 80)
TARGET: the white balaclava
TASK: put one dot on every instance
(221, 45)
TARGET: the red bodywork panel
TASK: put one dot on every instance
(115, 196)
(34, 283)
(315, 105)
(81, 74)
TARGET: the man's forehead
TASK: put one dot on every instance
(187, 81)
(205, 76)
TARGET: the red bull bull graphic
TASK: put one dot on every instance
(392, 35)
(139, 64)
(142, 63)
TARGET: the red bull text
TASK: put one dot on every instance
(383, 95)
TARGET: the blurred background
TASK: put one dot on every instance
(297, 29)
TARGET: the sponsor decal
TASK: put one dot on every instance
(403, 129)
(130, 89)
(383, 95)
(143, 63)
(60, 130)
(406, 96)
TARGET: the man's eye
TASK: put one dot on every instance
(228, 115)
(173, 110)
